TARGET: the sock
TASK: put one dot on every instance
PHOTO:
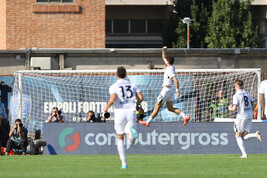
(131, 140)
(250, 136)
(149, 119)
(182, 115)
(121, 151)
(241, 145)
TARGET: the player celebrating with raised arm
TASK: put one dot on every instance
(123, 94)
(167, 93)
(242, 103)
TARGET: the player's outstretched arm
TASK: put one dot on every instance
(232, 107)
(262, 104)
(176, 83)
(164, 56)
(110, 102)
(140, 97)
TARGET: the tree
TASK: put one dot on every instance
(218, 24)
(221, 33)
(231, 26)
(198, 10)
(169, 27)
(174, 24)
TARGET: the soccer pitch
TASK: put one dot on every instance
(138, 166)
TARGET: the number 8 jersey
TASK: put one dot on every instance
(125, 94)
(243, 100)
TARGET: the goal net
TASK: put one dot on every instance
(77, 92)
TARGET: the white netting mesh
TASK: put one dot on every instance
(77, 92)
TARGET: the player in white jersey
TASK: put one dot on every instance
(123, 95)
(170, 86)
(263, 98)
(242, 103)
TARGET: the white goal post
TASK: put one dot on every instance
(75, 92)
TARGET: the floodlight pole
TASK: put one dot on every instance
(187, 20)
(188, 32)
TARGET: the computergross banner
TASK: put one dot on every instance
(159, 138)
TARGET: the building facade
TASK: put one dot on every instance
(52, 24)
(136, 23)
(82, 23)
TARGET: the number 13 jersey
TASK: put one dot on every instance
(125, 94)
(243, 100)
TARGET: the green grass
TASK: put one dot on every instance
(138, 166)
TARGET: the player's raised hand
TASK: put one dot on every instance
(164, 48)
(177, 93)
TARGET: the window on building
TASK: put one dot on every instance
(138, 26)
(154, 26)
(108, 26)
(120, 26)
(134, 26)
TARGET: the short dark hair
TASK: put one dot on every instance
(121, 72)
(92, 112)
(55, 108)
(171, 60)
(239, 83)
(17, 120)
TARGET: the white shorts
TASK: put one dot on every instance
(124, 119)
(241, 125)
(166, 94)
